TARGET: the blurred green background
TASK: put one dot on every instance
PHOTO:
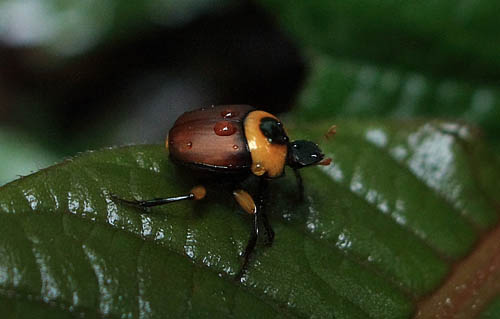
(78, 75)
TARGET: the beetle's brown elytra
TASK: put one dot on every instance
(237, 140)
(216, 136)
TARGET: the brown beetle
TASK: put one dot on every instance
(237, 141)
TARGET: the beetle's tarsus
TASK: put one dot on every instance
(249, 248)
(268, 229)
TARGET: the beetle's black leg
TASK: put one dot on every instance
(258, 212)
(250, 247)
(247, 203)
(262, 212)
(197, 193)
(153, 202)
(300, 184)
(269, 230)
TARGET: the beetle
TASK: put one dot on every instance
(234, 142)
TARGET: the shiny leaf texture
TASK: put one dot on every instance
(379, 229)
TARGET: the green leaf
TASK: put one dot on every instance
(492, 310)
(378, 229)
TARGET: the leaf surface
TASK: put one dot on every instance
(378, 230)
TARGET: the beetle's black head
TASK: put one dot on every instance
(303, 153)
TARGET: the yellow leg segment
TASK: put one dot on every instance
(245, 201)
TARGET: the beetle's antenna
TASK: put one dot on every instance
(325, 162)
(331, 132)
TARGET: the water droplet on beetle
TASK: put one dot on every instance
(258, 169)
(189, 145)
(235, 147)
(224, 128)
(228, 114)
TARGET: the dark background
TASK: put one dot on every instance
(80, 75)
(130, 82)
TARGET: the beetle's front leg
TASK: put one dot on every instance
(252, 241)
(263, 188)
(300, 184)
(247, 203)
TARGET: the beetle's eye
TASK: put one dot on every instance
(273, 130)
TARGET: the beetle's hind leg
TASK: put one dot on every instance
(196, 193)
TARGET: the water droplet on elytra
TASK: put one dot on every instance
(228, 113)
(224, 128)
(235, 147)
(189, 145)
